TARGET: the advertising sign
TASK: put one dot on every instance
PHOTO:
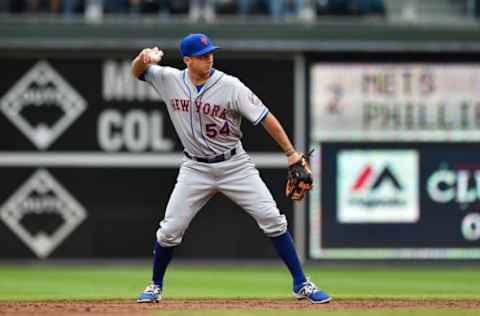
(377, 186)
(80, 133)
(391, 201)
(395, 102)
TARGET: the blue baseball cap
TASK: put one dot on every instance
(197, 44)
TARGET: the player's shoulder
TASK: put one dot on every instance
(163, 70)
(166, 69)
(230, 80)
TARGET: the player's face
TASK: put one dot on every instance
(201, 65)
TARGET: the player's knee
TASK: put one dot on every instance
(274, 226)
(166, 239)
(170, 232)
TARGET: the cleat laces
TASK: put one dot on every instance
(152, 288)
(308, 288)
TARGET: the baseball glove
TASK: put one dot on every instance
(299, 180)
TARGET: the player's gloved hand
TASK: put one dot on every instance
(152, 55)
(299, 180)
(293, 158)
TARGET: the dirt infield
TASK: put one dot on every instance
(127, 307)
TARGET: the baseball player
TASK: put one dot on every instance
(206, 107)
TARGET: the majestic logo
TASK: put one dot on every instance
(42, 105)
(366, 176)
(377, 186)
(42, 213)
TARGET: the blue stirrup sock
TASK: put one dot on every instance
(161, 258)
(286, 250)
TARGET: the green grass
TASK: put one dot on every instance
(125, 282)
(88, 282)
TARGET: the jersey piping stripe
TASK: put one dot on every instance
(210, 86)
(262, 116)
(200, 96)
(201, 127)
(187, 91)
(191, 105)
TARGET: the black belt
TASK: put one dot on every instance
(218, 158)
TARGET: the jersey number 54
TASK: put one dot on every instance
(212, 130)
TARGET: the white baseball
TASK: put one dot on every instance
(155, 56)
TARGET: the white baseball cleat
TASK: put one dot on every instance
(310, 291)
(151, 294)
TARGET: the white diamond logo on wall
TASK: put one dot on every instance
(42, 213)
(42, 105)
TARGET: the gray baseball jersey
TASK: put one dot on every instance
(208, 124)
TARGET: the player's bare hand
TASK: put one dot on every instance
(152, 55)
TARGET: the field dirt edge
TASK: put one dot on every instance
(129, 307)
